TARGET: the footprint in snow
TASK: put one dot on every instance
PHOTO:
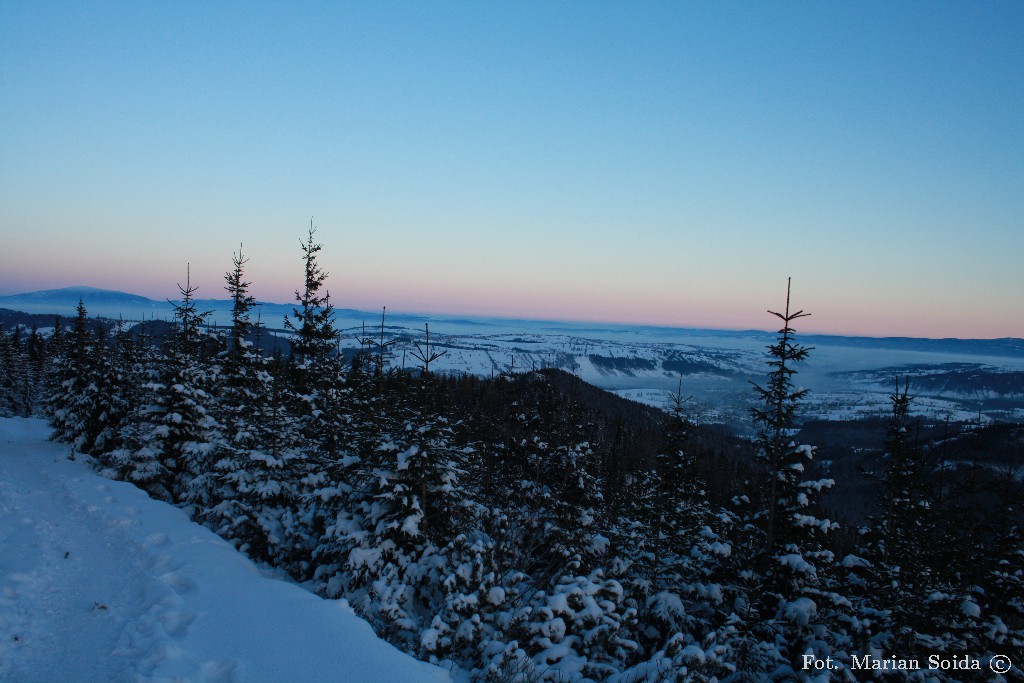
(157, 540)
(158, 562)
(180, 584)
(220, 671)
(176, 623)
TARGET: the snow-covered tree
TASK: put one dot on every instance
(168, 444)
(796, 607)
(914, 595)
(115, 374)
(22, 371)
(255, 484)
(17, 386)
(315, 367)
(311, 322)
(71, 400)
(411, 503)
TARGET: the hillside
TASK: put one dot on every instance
(124, 587)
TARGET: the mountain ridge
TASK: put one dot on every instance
(101, 302)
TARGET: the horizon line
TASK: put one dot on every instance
(475, 317)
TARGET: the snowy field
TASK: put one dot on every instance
(98, 582)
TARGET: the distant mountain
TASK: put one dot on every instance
(69, 296)
(113, 304)
(99, 302)
(108, 303)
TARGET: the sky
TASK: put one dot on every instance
(667, 163)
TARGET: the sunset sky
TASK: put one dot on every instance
(652, 162)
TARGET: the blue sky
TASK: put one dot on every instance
(667, 163)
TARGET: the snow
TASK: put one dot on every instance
(496, 595)
(100, 582)
(797, 563)
(801, 611)
(852, 561)
(719, 548)
(970, 609)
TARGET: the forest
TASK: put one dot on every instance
(530, 527)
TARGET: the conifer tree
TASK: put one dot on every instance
(311, 322)
(315, 365)
(240, 397)
(35, 349)
(675, 492)
(903, 537)
(86, 406)
(910, 596)
(67, 401)
(188, 337)
(51, 376)
(121, 374)
(796, 602)
(257, 482)
(777, 417)
(112, 387)
(20, 375)
(242, 381)
(176, 426)
(8, 363)
(409, 503)
(242, 304)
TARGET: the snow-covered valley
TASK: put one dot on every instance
(848, 377)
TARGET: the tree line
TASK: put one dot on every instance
(509, 527)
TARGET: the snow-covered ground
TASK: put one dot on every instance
(98, 582)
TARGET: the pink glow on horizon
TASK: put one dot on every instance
(635, 308)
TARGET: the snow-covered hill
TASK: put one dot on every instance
(98, 582)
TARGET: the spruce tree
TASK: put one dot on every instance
(18, 379)
(242, 378)
(242, 304)
(187, 340)
(120, 374)
(35, 348)
(111, 387)
(409, 502)
(256, 481)
(796, 603)
(311, 322)
(315, 364)
(67, 401)
(8, 364)
(179, 421)
(776, 416)
(52, 371)
(913, 598)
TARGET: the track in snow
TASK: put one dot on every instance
(100, 583)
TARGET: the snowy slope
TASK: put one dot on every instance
(98, 582)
